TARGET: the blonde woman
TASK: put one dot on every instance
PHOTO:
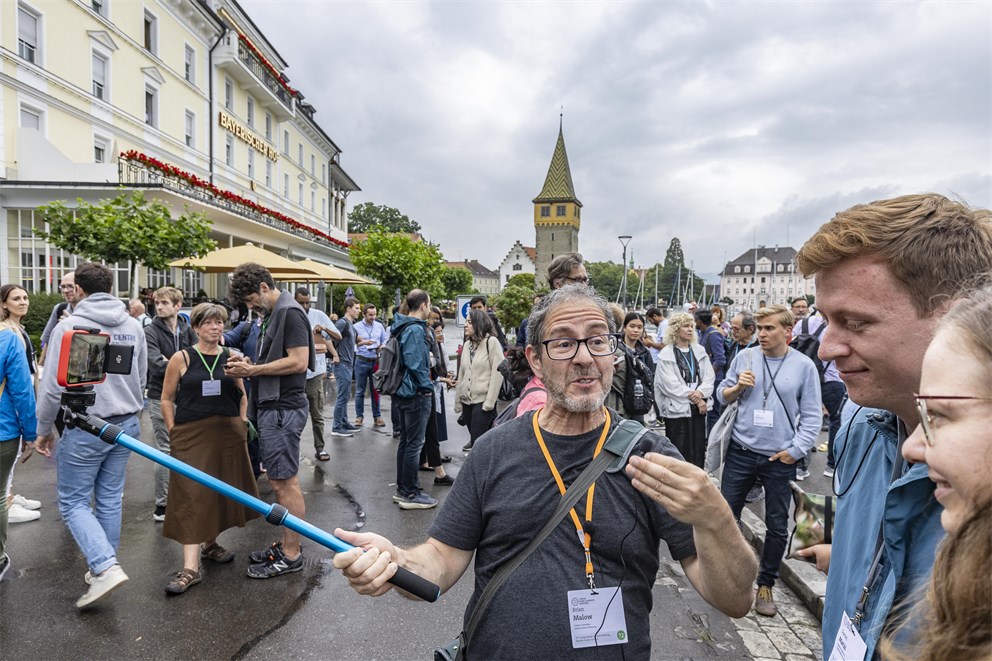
(479, 379)
(683, 383)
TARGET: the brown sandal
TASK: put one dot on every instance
(216, 553)
(182, 581)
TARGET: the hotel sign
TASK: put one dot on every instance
(247, 136)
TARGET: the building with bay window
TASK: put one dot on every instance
(186, 100)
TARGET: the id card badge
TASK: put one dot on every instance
(849, 645)
(597, 618)
(763, 418)
(211, 388)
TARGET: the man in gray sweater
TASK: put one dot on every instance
(778, 421)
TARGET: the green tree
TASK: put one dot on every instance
(125, 228)
(513, 305)
(367, 216)
(676, 280)
(396, 261)
(606, 278)
(455, 281)
(525, 280)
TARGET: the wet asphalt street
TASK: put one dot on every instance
(312, 614)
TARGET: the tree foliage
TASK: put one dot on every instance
(127, 227)
(367, 216)
(676, 281)
(455, 281)
(606, 278)
(513, 305)
(396, 261)
(525, 280)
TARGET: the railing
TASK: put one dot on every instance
(262, 72)
(134, 173)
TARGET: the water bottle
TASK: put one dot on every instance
(638, 389)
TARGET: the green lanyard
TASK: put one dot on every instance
(210, 368)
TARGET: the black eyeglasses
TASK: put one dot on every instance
(581, 280)
(67, 287)
(926, 420)
(565, 348)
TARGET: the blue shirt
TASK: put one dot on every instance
(375, 332)
(866, 448)
(797, 381)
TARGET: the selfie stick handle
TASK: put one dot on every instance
(274, 513)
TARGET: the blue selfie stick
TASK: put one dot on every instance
(275, 514)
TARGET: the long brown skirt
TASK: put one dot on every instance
(217, 446)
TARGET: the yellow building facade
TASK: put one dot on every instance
(184, 99)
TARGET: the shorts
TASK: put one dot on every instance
(279, 432)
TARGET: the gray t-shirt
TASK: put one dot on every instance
(504, 494)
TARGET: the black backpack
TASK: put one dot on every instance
(638, 387)
(808, 344)
(507, 391)
(389, 377)
(510, 412)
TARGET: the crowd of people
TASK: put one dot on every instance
(892, 361)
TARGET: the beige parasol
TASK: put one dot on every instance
(226, 260)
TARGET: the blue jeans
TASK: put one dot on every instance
(414, 412)
(89, 469)
(740, 471)
(364, 369)
(833, 394)
(342, 381)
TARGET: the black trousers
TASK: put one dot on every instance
(688, 435)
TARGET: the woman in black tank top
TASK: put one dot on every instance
(205, 411)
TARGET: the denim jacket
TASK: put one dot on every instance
(912, 527)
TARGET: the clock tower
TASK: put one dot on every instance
(557, 214)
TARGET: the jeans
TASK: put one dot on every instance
(364, 369)
(414, 412)
(833, 394)
(89, 469)
(342, 381)
(162, 443)
(315, 396)
(741, 469)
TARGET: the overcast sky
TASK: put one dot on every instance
(716, 122)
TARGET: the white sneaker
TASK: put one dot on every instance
(17, 514)
(102, 585)
(801, 475)
(26, 503)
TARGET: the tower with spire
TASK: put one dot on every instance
(557, 213)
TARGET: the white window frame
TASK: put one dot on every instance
(313, 165)
(268, 173)
(189, 64)
(300, 154)
(228, 93)
(151, 89)
(323, 207)
(250, 113)
(31, 110)
(268, 126)
(189, 129)
(150, 41)
(229, 150)
(300, 195)
(285, 186)
(104, 10)
(105, 87)
(105, 143)
(313, 201)
(38, 50)
(323, 173)
(285, 143)
(251, 164)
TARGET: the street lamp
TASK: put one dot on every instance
(624, 240)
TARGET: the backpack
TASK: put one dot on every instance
(638, 387)
(510, 412)
(389, 377)
(808, 344)
(507, 392)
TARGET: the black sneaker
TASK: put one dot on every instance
(159, 514)
(273, 552)
(4, 565)
(276, 566)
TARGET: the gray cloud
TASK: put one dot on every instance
(713, 122)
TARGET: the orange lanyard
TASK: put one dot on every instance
(584, 538)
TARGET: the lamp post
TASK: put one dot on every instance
(624, 240)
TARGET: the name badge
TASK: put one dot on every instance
(211, 388)
(597, 618)
(849, 645)
(764, 418)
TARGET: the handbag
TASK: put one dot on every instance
(618, 446)
(814, 517)
(720, 433)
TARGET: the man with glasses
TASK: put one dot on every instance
(567, 269)
(323, 334)
(507, 489)
(61, 311)
(885, 273)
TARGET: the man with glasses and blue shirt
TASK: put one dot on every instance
(511, 483)
(370, 335)
(61, 311)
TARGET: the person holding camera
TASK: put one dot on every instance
(90, 470)
(206, 414)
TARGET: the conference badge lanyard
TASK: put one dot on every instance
(765, 417)
(211, 388)
(595, 616)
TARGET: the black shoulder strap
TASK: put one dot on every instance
(618, 447)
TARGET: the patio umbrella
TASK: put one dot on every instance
(322, 272)
(226, 260)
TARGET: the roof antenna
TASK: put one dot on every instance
(561, 117)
